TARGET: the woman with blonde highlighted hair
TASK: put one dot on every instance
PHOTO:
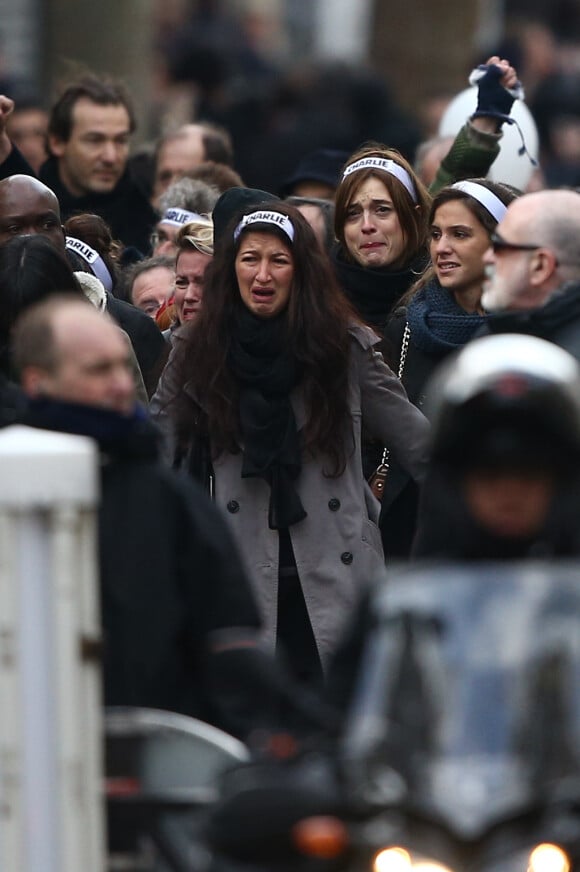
(194, 252)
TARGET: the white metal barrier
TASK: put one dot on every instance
(51, 804)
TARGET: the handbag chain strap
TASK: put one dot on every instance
(404, 350)
(383, 466)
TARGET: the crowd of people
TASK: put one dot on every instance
(256, 373)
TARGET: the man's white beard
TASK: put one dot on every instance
(492, 299)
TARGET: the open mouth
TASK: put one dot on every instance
(262, 293)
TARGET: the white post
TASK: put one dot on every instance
(51, 802)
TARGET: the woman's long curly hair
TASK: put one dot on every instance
(317, 318)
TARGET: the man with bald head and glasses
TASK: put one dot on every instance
(533, 269)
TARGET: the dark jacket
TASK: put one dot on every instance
(126, 209)
(558, 321)
(171, 580)
(15, 165)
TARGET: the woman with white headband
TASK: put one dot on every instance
(442, 311)
(266, 395)
(438, 316)
(382, 206)
(380, 223)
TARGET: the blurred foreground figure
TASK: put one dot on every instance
(174, 599)
(505, 462)
(459, 744)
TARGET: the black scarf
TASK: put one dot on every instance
(375, 292)
(266, 372)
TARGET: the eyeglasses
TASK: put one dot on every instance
(498, 243)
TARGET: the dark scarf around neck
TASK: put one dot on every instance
(438, 324)
(266, 372)
(120, 436)
(375, 292)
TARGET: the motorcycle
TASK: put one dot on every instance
(461, 748)
(162, 772)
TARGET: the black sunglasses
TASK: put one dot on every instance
(498, 243)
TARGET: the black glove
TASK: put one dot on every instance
(493, 100)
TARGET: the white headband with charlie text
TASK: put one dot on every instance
(387, 166)
(266, 217)
(93, 258)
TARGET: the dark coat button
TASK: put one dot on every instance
(346, 557)
(233, 506)
(334, 504)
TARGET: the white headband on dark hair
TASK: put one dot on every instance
(265, 217)
(483, 195)
(93, 258)
(387, 166)
(180, 217)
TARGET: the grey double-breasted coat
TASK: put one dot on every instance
(337, 547)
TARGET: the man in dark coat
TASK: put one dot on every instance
(89, 130)
(533, 269)
(177, 613)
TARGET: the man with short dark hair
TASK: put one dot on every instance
(89, 130)
(88, 133)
